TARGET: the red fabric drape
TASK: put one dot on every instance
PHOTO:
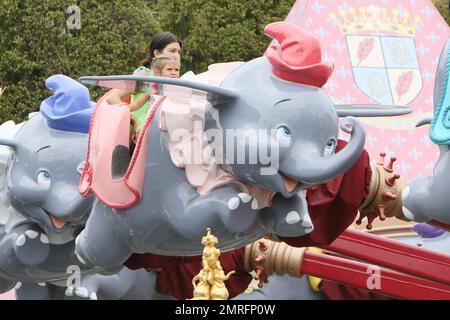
(176, 273)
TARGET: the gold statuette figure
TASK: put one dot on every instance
(209, 283)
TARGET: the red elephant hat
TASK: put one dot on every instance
(296, 55)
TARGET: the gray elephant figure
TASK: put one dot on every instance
(125, 284)
(283, 288)
(41, 209)
(426, 198)
(433, 238)
(278, 97)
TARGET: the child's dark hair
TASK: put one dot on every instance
(159, 42)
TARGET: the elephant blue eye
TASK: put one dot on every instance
(284, 136)
(329, 147)
(43, 179)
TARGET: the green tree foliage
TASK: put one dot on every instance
(36, 43)
(442, 6)
(228, 30)
(220, 30)
(40, 38)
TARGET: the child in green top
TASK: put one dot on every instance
(162, 43)
(164, 65)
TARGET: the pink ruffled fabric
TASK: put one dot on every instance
(183, 118)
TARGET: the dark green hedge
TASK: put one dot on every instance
(221, 30)
(114, 34)
(442, 6)
(35, 43)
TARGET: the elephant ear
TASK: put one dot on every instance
(157, 85)
(367, 110)
(9, 143)
(424, 121)
(440, 125)
(441, 73)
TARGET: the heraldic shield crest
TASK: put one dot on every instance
(382, 53)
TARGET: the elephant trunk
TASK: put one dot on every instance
(27, 191)
(316, 169)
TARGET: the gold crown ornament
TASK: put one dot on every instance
(374, 18)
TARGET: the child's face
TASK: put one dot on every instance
(170, 70)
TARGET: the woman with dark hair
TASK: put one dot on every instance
(161, 43)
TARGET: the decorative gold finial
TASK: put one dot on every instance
(385, 194)
(209, 283)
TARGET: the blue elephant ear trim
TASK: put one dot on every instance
(440, 125)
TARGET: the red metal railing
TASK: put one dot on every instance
(393, 254)
(391, 283)
(403, 271)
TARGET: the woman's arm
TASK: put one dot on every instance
(116, 96)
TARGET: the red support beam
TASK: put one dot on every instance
(362, 275)
(441, 225)
(393, 254)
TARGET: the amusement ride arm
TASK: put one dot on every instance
(397, 278)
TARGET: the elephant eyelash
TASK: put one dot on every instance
(281, 101)
(40, 149)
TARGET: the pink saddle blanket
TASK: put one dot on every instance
(109, 128)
